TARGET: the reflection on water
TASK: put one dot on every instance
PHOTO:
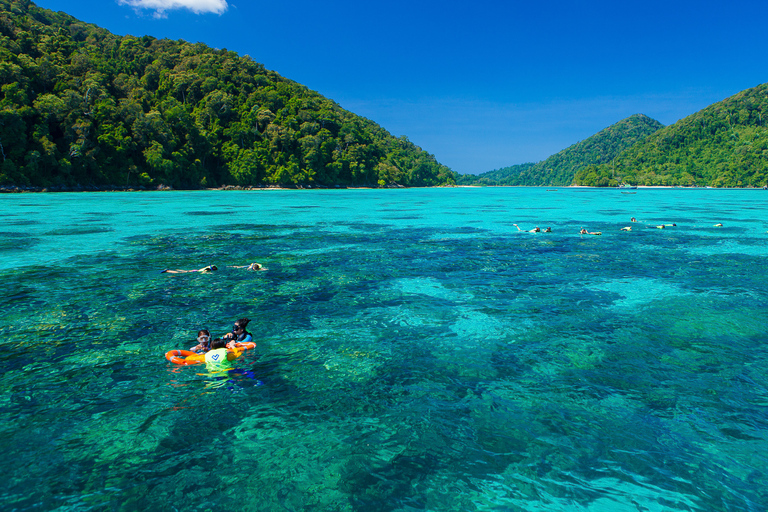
(441, 360)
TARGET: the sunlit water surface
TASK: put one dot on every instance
(416, 351)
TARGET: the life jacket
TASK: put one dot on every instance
(245, 337)
(216, 360)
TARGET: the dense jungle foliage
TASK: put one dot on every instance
(723, 145)
(498, 177)
(82, 106)
(560, 168)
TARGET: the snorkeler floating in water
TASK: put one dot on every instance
(210, 268)
(204, 270)
(239, 333)
(220, 359)
(628, 228)
(203, 341)
(534, 230)
(253, 266)
(585, 232)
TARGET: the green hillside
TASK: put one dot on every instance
(83, 107)
(560, 169)
(723, 145)
(504, 176)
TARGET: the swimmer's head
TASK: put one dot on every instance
(218, 343)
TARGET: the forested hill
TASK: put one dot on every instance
(723, 145)
(560, 169)
(497, 177)
(83, 107)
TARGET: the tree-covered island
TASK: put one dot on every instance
(723, 145)
(560, 168)
(81, 107)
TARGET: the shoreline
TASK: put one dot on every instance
(21, 189)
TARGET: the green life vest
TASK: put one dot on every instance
(216, 360)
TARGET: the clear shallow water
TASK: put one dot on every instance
(416, 351)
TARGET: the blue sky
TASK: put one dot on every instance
(481, 85)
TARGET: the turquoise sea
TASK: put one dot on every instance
(415, 351)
